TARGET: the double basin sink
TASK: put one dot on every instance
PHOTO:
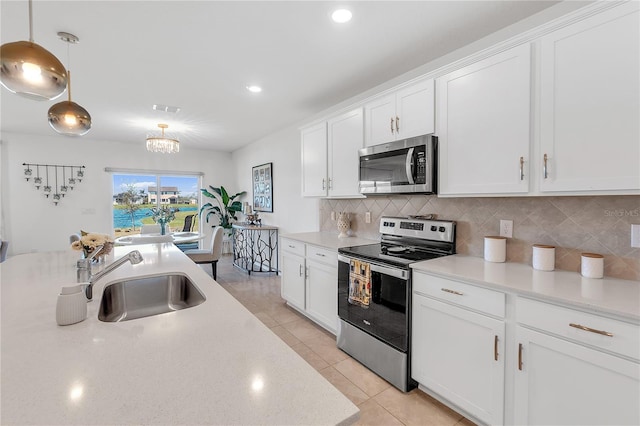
(147, 296)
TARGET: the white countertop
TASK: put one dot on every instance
(609, 296)
(329, 240)
(214, 363)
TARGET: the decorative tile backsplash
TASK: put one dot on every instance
(574, 225)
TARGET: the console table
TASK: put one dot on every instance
(255, 248)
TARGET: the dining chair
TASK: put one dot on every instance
(188, 223)
(210, 255)
(4, 245)
(150, 229)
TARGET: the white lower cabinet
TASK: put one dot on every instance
(564, 366)
(458, 353)
(322, 293)
(310, 281)
(293, 273)
(571, 381)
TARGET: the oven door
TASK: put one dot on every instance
(387, 316)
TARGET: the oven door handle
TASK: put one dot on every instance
(403, 274)
(409, 166)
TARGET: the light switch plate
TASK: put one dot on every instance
(635, 235)
(367, 217)
(333, 215)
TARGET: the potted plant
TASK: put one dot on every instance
(226, 207)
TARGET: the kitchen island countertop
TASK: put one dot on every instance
(214, 363)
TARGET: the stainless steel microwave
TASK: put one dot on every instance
(400, 167)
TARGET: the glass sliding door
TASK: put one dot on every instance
(135, 195)
(181, 193)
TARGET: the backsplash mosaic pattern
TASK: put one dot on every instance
(574, 225)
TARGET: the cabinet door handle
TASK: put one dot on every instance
(495, 348)
(323, 184)
(320, 254)
(544, 166)
(520, 356)
(306, 272)
(452, 291)
(391, 125)
(300, 270)
(290, 246)
(521, 168)
(592, 330)
(330, 186)
(397, 124)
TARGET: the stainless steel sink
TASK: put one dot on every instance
(143, 297)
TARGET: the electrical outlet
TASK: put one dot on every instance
(333, 215)
(506, 228)
(367, 217)
(635, 235)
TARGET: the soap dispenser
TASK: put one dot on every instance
(72, 305)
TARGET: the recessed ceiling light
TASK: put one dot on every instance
(341, 16)
(254, 89)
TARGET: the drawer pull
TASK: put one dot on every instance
(452, 291)
(320, 254)
(592, 330)
(520, 356)
(290, 246)
(495, 348)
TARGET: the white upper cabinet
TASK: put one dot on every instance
(402, 114)
(590, 104)
(314, 160)
(330, 162)
(484, 125)
(345, 139)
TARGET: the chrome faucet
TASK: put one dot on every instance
(84, 269)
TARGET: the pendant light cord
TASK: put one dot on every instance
(68, 71)
(30, 22)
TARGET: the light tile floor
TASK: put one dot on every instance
(379, 402)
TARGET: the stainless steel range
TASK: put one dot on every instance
(374, 293)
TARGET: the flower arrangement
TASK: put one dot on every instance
(162, 215)
(90, 241)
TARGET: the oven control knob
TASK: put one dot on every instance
(434, 228)
(442, 229)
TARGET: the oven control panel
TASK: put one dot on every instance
(436, 230)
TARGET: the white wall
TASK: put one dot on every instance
(291, 212)
(32, 222)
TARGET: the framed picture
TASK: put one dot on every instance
(263, 188)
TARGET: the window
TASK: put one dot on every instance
(135, 194)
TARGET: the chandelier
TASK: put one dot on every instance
(162, 143)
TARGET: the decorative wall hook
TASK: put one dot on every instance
(62, 185)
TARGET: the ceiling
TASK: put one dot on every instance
(201, 55)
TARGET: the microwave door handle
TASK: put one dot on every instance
(409, 166)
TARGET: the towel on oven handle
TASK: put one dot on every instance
(359, 283)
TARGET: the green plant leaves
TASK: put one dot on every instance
(226, 208)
